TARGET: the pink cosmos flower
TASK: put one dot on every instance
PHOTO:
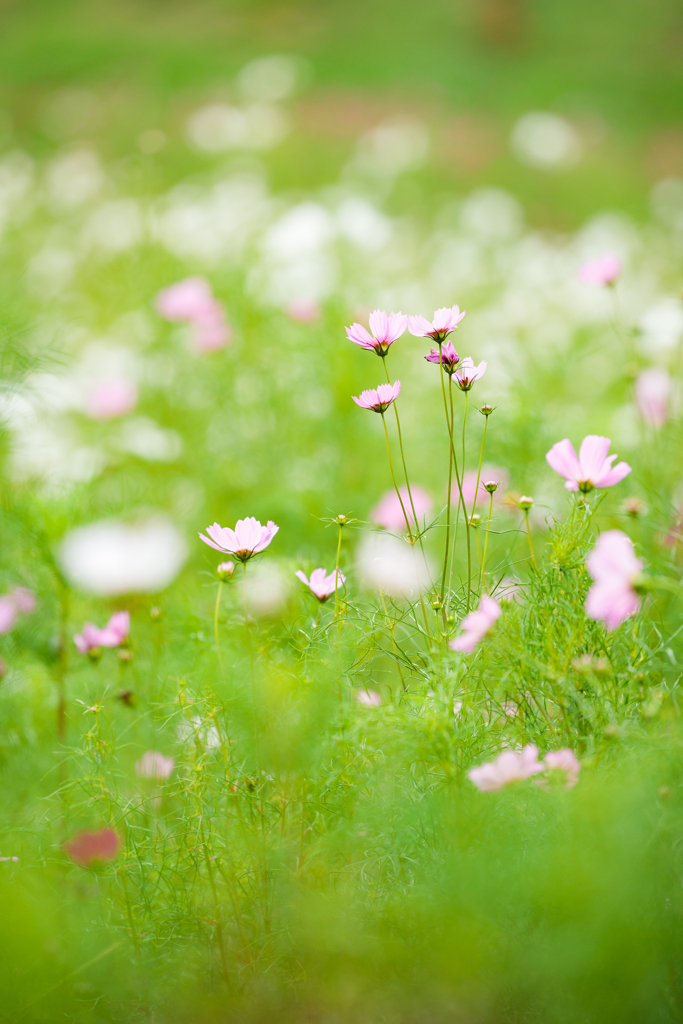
(469, 483)
(246, 540)
(605, 270)
(368, 698)
(509, 766)
(445, 321)
(467, 373)
(111, 635)
(211, 331)
(447, 357)
(303, 310)
(24, 599)
(88, 849)
(564, 760)
(385, 330)
(476, 625)
(389, 514)
(380, 398)
(18, 601)
(613, 565)
(592, 468)
(153, 765)
(186, 300)
(110, 399)
(653, 387)
(321, 584)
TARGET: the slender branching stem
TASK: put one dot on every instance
(336, 568)
(393, 477)
(481, 458)
(486, 543)
(528, 533)
(215, 623)
(467, 521)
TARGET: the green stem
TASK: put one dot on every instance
(393, 477)
(486, 543)
(449, 424)
(467, 521)
(215, 623)
(481, 457)
(403, 460)
(528, 533)
(336, 571)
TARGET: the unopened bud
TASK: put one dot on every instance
(436, 603)
(634, 507)
(525, 502)
(125, 655)
(225, 571)
(450, 618)
(475, 519)
(155, 612)
(486, 410)
(341, 519)
(491, 486)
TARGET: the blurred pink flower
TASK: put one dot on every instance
(653, 387)
(564, 760)
(476, 625)
(368, 698)
(186, 300)
(153, 765)
(444, 322)
(604, 270)
(467, 373)
(509, 766)
(389, 514)
(247, 539)
(21, 600)
(448, 357)
(385, 330)
(592, 468)
(613, 565)
(110, 399)
(303, 310)
(210, 331)
(321, 584)
(111, 635)
(469, 483)
(380, 398)
(88, 849)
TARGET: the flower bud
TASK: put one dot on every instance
(225, 571)
(436, 603)
(486, 410)
(475, 520)
(125, 655)
(491, 486)
(341, 519)
(634, 507)
(525, 502)
(155, 612)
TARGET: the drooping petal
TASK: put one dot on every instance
(419, 327)
(301, 575)
(614, 475)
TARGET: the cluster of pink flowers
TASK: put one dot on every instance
(247, 539)
(19, 601)
(191, 301)
(91, 638)
(513, 766)
(321, 583)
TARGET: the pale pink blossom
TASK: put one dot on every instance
(320, 583)
(444, 322)
(653, 388)
(110, 399)
(24, 599)
(186, 300)
(469, 485)
(89, 849)
(389, 514)
(467, 373)
(476, 625)
(564, 760)
(510, 766)
(225, 570)
(447, 357)
(210, 331)
(246, 540)
(604, 270)
(613, 565)
(303, 310)
(19, 601)
(385, 330)
(380, 398)
(153, 765)
(112, 635)
(592, 468)
(368, 698)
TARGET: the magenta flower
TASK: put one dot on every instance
(476, 625)
(246, 540)
(444, 323)
(368, 698)
(385, 330)
(111, 635)
(153, 765)
(110, 399)
(380, 398)
(389, 514)
(509, 766)
(605, 270)
(447, 357)
(89, 849)
(612, 563)
(653, 387)
(321, 584)
(467, 373)
(564, 760)
(18, 601)
(592, 468)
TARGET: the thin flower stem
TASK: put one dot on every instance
(215, 623)
(481, 457)
(459, 482)
(405, 470)
(486, 543)
(467, 521)
(393, 477)
(449, 424)
(336, 571)
(390, 624)
(528, 533)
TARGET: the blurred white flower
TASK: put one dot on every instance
(545, 141)
(199, 731)
(268, 588)
(392, 566)
(362, 223)
(492, 213)
(218, 127)
(111, 557)
(142, 436)
(73, 179)
(662, 324)
(269, 78)
(114, 226)
(666, 201)
(391, 148)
